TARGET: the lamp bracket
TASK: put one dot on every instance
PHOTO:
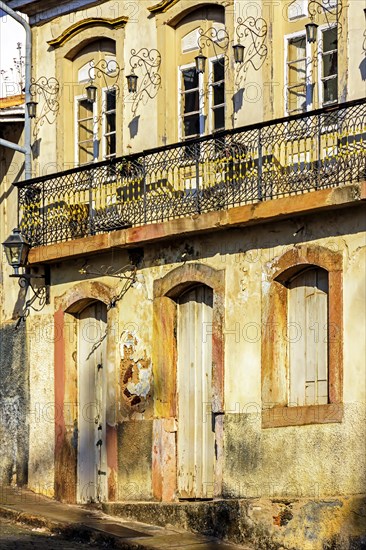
(47, 90)
(40, 294)
(127, 274)
(147, 62)
(252, 33)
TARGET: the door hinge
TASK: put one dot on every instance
(100, 473)
(99, 443)
(99, 366)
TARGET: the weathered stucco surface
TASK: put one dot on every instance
(134, 460)
(282, 476)
(43, 412)
(14, 404)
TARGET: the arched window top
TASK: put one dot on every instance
(297, 259)
(99, 45)
(297, 272)
(202, 13)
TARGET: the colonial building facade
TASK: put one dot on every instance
(197, 211)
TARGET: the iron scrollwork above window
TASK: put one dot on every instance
(106, 72)
(330, 9)
(218, 39)
(147, 63)
(252, 34)
(47, 92)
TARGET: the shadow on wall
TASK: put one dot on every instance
(363, 68)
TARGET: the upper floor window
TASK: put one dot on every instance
(109, 123)
(199, 110)
(201, 96)
(191, 98)
(218, 94)
(85, 130)
(296, 74)
(311, 80)
(329, 66)
(95, 122)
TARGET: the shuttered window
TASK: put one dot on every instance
(308, 338)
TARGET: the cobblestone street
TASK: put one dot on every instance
(23, 537)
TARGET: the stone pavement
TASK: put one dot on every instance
(90, 525)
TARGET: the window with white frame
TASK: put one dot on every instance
(193, 105)
(329, 66)
(85, 131)
(190, 106)
(296, 77)
(95, 122)
(109, 123)
(218, 95)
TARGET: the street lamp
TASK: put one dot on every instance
(91, 93)
(200, 60)
(238, 52)
(32, 109)
(132, 82)
(16, 251)
(311, 32)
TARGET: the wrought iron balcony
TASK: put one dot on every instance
(284, 157)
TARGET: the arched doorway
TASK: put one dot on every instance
(188, 362)
(196, 430)
(91, 451)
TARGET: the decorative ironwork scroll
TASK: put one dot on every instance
(46, 92)
(127, 274)
(228, 169)
(148, 62)
(252, 33)
(40, 294)
(108, 74)
(218, 39)
(330, 9)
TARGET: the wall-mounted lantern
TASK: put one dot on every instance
(311, 32)
(238, 52)
(16, 249)
(32, 109)
(200, 60)
(91, 92)
(132, 82)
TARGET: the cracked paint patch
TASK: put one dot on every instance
(136, 375)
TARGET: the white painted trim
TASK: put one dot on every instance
(305, 11)
(210, 118)
(95, 128)
(201, 100)
(309, 66)
(319, 37)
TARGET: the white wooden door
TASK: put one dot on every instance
(308, 338)
(91, 458)
(196, 438)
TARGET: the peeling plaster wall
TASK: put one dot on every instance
(310, 462)
(42, 409)
(14, 404)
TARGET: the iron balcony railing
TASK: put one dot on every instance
(284, 157)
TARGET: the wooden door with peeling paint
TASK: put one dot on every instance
(196, 438)
(91, 458)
